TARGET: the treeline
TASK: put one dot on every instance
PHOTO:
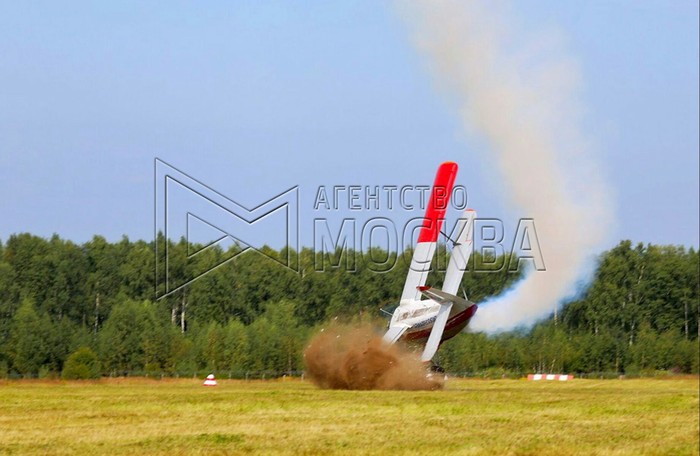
(89, 310)
(639, 316)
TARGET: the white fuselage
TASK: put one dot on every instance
(416, 314)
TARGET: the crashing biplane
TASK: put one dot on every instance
(443, 314)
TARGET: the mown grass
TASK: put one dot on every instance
(140, 416)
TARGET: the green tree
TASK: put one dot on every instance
(27, 345)
(237, 346)
(131, 338)
(81, 364)
(214, 348)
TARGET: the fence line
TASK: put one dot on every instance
(300, 374)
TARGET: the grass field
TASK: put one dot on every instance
(141, 416)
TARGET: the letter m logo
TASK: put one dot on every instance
(198, 229)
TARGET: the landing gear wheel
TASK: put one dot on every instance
(436, 368)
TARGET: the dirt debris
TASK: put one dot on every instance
(356, 358)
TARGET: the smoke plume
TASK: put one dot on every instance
(355, 358)
(519, 93)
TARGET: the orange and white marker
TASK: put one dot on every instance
(561, 378)
(210, 381)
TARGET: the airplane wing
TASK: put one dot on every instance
(394, 333)
(427, 239)
(436, 334)
(443, 298)
(464, 244)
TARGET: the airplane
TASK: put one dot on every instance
(443, 314)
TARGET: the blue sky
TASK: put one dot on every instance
(253, 98)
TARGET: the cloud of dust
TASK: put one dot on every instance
(519, 93)
(355, 358)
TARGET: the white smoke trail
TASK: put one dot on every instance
(519, 93)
